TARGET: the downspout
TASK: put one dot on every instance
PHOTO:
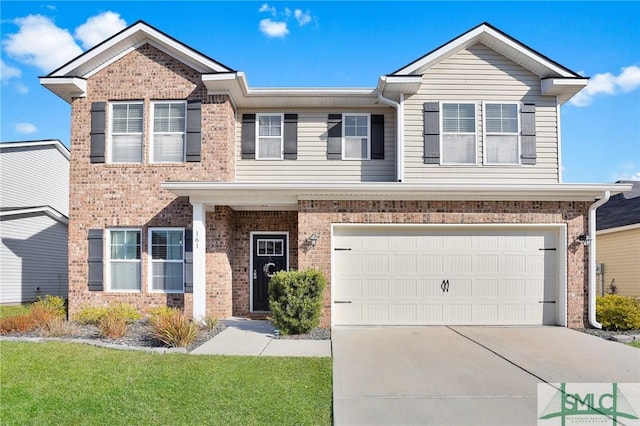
(592, 258)
(399, 106)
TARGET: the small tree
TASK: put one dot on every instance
(295, 300)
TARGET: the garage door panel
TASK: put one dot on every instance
(395, 275)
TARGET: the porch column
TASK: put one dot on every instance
(199, 260)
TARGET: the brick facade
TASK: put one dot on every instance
(318, 216)
(128, 195)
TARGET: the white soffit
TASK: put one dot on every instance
(563, 88)
(285, 196)
(235, 85)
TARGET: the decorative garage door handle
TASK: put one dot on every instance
(342, 301)
(445, 286)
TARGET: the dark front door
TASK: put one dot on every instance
(269, 256)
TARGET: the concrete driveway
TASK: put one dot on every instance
(464, 375)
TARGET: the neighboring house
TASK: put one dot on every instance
(433, 198)
(618, 243)
(34, 210)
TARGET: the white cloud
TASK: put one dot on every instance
(273, 28)
(98, 28)
(21, 88)
(608, 84)
(7, 72)
(303, 18)
(41, 43)
(266, 8)
(26, 128)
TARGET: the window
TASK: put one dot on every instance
(269, 137)
(501, 134)
(124, 260)
(166, 249)
(458, 133)
(356, 141)
(126, 132)
(270, 247)
(169, 123)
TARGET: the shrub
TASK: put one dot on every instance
(18, 324)
(55, 304)
(616, 312)
(59, 327)
(210, 322)
(295, 300)
(172, 327)
(112, 325)
(94, 314)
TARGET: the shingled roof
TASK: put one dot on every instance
(621, 209)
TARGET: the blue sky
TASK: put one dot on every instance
(343, 44)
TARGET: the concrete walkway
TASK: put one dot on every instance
(256, 338)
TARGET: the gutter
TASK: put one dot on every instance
(592, 258)
(399, 106)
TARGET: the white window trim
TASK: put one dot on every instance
(110, 132)
(475, 133)
(151, 261)
(257, 135)
(107, 249)
(152, 133)
(357, 114)
(484, 133)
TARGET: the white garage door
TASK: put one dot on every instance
(413, 276)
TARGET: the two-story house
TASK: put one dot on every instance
(34, 210)
(433, 198)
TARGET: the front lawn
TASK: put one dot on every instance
(13, 310)
(66, 383)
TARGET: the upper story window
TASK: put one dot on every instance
(269, 137)
(124, 259)
(169, 126)
(166, 247)
(458, 133)
(126, 132)
(501, 142)
(356, 137)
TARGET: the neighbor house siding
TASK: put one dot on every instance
(619, 251)
(34, 176)
(34, 258)
(311, 163)
(480, 74)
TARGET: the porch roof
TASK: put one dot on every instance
(285, 196)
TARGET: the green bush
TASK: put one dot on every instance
(172, 327)
(295, 300)
(616, 312)
(55, 304)
(94, 314)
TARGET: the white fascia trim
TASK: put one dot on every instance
(554, 85)
(479, 34)
(158, 39)
(559, 133)
(78, 84)
(49, 211)
(54, 142)
(618, 229)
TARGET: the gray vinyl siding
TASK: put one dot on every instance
(479, 74)
(34, 176)
(34, 258)
(312, 163)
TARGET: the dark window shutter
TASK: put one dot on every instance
(431, 133)
(248, 136)
(528, 136)
(194, 132)
(98, 127)
(188, 261)
(334, 137)
(95, 260)
(290, 136)
(377, 137)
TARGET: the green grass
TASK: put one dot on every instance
(65, 383)
(635, 344)
(13, 310)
